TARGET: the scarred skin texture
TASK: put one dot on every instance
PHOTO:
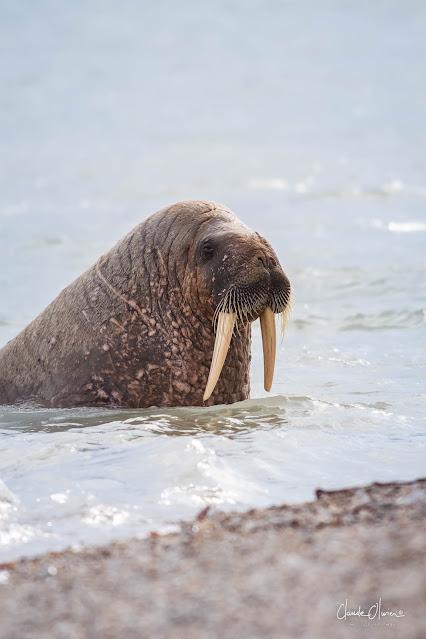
(136, 328)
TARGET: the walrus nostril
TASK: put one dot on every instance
(261, 260)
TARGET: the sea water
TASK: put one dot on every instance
(308, 120)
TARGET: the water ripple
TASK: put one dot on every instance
(385, 320)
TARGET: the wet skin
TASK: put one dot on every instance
(137, 328)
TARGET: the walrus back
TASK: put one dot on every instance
(45, 362)
(31, 365)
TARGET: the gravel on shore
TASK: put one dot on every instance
(280, 572)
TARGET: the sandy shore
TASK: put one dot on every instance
(279, 572)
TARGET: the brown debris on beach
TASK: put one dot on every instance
(287, 571)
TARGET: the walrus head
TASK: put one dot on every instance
(239, 280)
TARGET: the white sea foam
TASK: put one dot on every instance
(407, 227)
(274, 184)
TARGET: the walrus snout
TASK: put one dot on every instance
(248, 284)
(280, 292)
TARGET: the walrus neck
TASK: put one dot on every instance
(160, 319)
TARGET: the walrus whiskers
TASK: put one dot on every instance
(285, 313)
(235, 308)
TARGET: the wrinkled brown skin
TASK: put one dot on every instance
(135, 329)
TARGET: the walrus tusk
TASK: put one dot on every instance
(225, 328)
(267, 324)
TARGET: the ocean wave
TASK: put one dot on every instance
(308, 188)
(249, 415)
(390, 319)
(413, 226)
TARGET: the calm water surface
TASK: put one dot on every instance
(308, 120)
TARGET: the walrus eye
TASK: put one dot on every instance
(207, 250)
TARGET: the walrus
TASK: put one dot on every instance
(162, 319)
